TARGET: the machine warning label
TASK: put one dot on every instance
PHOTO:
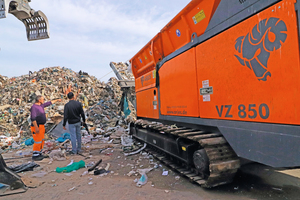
(205, 83)
(206, 91)
(206, 98)
(199, 17)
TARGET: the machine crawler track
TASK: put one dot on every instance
(223, 162)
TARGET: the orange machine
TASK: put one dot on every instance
(225, 74)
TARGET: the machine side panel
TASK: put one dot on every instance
(252, 69)
(194, 18)
(178, 86)
(147, 103)
(146, 81)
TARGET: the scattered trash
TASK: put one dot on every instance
(177, 178)
(126, 140)
(29, 142)
(58, 155)
(72, 167)
(64, 137)
(93, 167)
(24, 167)
(131, 173)
(72, 161)
(142, 181)
(100, 171)
(107, 166)
(71, 189)
(23, 154)
(136, 152)
(84, 173)
(167, 191)
(90, 183)
(165, 173)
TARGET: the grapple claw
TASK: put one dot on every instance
(10, 182)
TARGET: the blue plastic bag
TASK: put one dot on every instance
(29, 142)
(64, 137)
(126, 107)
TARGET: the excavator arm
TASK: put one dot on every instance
(36, 22)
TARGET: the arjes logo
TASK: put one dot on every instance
(254, 49)
(145, 78)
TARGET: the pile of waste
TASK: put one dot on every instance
(3, 81)
(101, 101)
(122, 68)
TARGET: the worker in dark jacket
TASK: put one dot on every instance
(38, 119)
(73, 112)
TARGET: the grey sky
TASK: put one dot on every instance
(84, 35)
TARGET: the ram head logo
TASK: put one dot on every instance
(254, 49)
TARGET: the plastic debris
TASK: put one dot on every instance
(29, 142)
(64, 137)
(136, 152)
(71, 189)
(72, 161)
(72, 167)
(165, 173)
(107, 166)
(84, 173)
(142, 181)
(24, 167)
(95, 165)
(58, 155)
(100, 171)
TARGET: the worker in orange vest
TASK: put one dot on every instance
(38, 119)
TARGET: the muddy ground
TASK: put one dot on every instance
(253, 181)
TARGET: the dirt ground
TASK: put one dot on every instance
(252, 181)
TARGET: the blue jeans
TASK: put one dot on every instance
(75, 137)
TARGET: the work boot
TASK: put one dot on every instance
(38, 158)
(70, 153)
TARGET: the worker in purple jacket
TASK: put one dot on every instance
(38, 119)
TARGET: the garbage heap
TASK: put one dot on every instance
(123, 70)
(3, 81)
(108, 113)
(101, 101)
